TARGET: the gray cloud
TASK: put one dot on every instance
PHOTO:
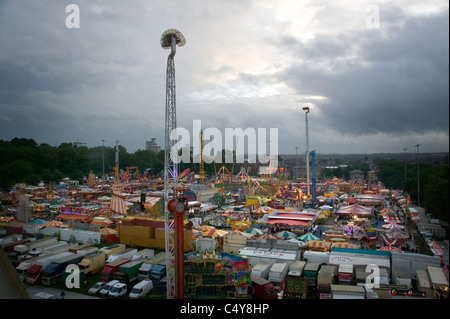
(245, 64)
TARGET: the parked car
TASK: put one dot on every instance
(118, 290)
(141, 289)
(97, 287)
(105, 290)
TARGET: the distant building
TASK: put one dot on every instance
(356, 174)
(152, 146)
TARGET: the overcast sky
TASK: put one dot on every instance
(375, 74)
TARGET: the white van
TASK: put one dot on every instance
(141, 289)
(118, 290)
(105, 290)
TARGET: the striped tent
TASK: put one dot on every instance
(386, 211)
(343, 245)
(38, 221)
(107, 231)
(117, 204)
(254, 231)
(392, 225)
(317, 245)
(214, 233)
(205, 228)
(52, 223)
(308, 237)
(285, 234)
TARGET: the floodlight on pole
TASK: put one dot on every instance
(170, 39)
(418, 174)
(306, 109)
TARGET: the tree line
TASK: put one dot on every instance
(25, 161)
(424, 182)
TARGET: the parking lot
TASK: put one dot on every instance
(32, 290)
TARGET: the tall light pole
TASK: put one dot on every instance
(170, 39)
(418, 187)
(405, 165)
(296, 163)
(306, 109)
(103, 165)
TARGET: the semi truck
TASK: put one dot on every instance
(87, 251)
(34, 273)
(113, 249)
(109, 269)
(345, 274)
(158, 272)
(310, 273)
(32, 249)
(277, 272)
(147, 265)
(316, 257)
(437, 278)
(53, 271)
(39, 243)
(295, 286)
(348, 292)
(325, 278)
(26, 264)
(297, 266)
(128, 273)
(263, 288)
(80, 236)
(144, 253)
(262, 269)
(127, 253)
(92, 263)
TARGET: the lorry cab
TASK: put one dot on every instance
(33, 274)
(141, 289)
(118, 290)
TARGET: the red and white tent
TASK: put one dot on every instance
(117, 204)
(392, 225)
(355, 209)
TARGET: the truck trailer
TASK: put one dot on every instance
(92, 263)
(34, 273)
(127, 253)
(113, 249)
(53, 271)
(109, 269)
(277, 272)
(262, 269)
(263, 289)
(128, 273)
(147, 265)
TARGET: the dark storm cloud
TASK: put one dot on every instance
(247, 64)
(396, 80)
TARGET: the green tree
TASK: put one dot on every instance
(436, 199)
(19, 171)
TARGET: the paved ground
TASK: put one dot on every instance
(32, 290)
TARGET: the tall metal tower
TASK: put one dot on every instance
(202, 165)
(169, 40)
(306, 109)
